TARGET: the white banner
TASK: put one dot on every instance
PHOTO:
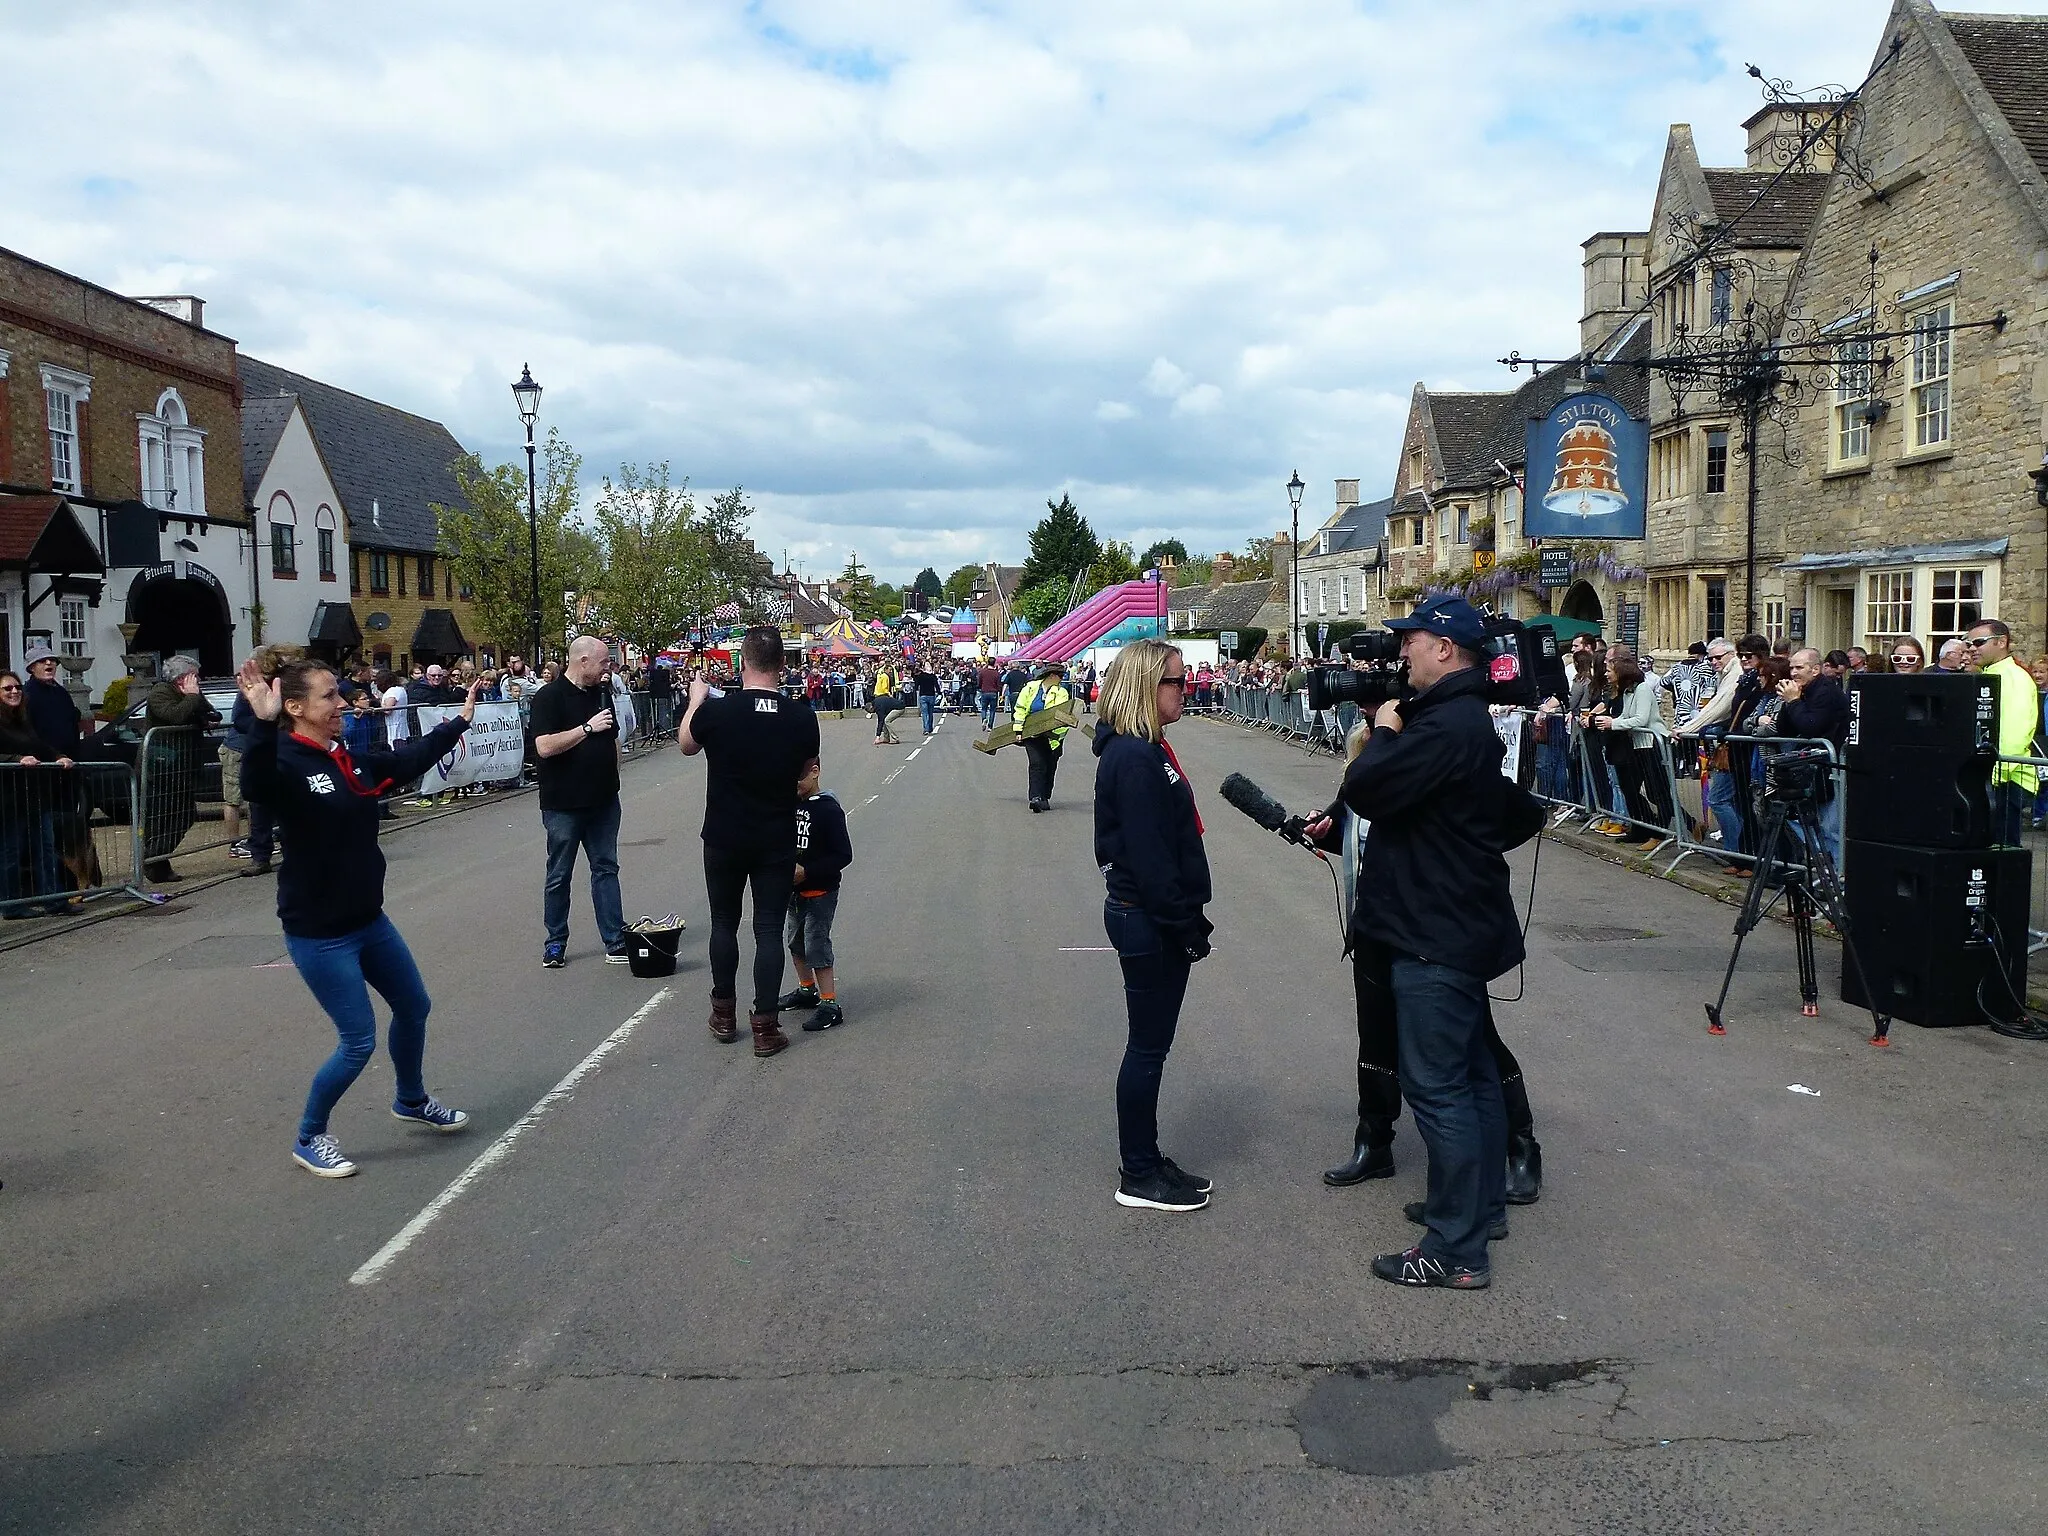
(1507, 724)
(492, 749)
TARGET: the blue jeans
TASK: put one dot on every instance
(596, 831)
(1553, 781)
(1722, 801)
(33, 832)
(1452, 1087)
(927, 707)
(987, 701)
(1155, 983)
(340, 973)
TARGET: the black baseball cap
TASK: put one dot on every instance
(1451, 617)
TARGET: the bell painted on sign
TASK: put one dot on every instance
(1588, 478)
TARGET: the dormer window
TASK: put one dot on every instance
(173, 458)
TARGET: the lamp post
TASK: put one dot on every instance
(1294, 490)
(527, 394)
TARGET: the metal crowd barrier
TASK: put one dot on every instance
(2033, 820)
(67, 835)
(178, 772)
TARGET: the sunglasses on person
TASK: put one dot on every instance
(1978, 642)
(1906, 659)
(10, 687)
(1175, 680)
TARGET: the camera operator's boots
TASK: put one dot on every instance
(1372, 1156)
(725, 1025)
(1525, 1153)
(768, 1035)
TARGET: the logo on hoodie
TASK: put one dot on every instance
(320, 783)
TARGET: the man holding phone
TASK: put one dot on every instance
(576, 740)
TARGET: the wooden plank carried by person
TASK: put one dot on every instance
(1036, 723)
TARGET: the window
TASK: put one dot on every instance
(447, 582)
(1322, 594)
(1850, 443)
(1304, 596)
(1343, 594)
(1414, 468)
(284, 538)
(1888, 603)
(401, 581)
(323, 536)
(380, 658)
(1927, 397)
(1774, 620)
(71, 625)
(466, 592)
(1415, 535)
(1717, 607)
(380, 572)
(63, 393)
(355, 570)
(1722, 307)
(1668, 477)
(1958, 603)
(1464, 522)
(426, 563)
(1717, 461)
(173, 457)
(1670, 622)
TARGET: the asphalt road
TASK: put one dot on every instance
(878, 1283)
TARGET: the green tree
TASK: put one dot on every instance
(1063, 546)
(1043, 604)
(1194, 571)
(1257, 564)
(1116, 564)
(1159, 547)
(929, 584)
(646, 528)
(960, 585)
(485, 543)
(857, 589)
(888, 600)
(724, 564)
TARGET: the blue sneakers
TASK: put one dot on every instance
(321, 1155)
(433, 1114)
(554, 956)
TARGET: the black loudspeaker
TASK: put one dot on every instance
(1924, 921)
(1919, 759)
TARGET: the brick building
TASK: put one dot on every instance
(119, 416)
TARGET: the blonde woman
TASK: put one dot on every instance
(1148, 842)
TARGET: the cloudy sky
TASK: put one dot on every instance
(903, 270)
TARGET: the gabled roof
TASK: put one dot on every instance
(1463, 424)
(2010, 56)
(264, 418)
(1359, 527)
(45, 534)
(1233, 605)
(390, 466)
(1786, 206)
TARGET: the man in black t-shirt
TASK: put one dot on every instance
(576, 741)
(758, 744)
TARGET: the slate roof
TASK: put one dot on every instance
(1785, 216)
(1464, 428)
(1233, 605)
(263, 422)
(1355, 528)
(2010, 55)
(1629, 386)
(380, 457)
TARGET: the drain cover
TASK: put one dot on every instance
(1598, 935)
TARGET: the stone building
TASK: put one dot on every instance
(1342, 569)
(1908, 507)
(118, 420)
(389, 468)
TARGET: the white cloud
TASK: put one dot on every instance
(894, 268)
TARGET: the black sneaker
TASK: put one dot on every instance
(1414, 1267)
(554, 956)
(828, 1016)
(802, 997)
(1159, 1191)
(1413, 1211)
(620, 956)
(1200, 1183)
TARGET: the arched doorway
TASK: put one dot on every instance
(1582, 602)
(183, 616)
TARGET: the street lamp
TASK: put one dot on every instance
(527, 393)
(1294, 490)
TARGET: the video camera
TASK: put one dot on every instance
(1796, 776)
(1523, 667)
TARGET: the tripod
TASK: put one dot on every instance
(1792, 813)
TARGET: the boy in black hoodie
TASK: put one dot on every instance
(823, 850)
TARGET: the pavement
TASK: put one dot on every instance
(878, 1283)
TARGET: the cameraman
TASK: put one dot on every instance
(1439, 924)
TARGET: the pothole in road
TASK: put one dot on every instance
(1380, 1418)
(1596, 934)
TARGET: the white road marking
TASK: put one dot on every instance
(873, 798)
(500, 1149)
(913, 756)
(1087, 949)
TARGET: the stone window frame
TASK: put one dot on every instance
(1322, 595)
(1937, 357)
(1710, 469)
(1344, 593)
(168, 444)
(68, 388)
(1986, 601)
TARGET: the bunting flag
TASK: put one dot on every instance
(727, 613)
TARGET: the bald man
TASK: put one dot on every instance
(577, 743)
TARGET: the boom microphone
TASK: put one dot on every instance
(1264, 809)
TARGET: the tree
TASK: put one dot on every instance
(1194, 571)
(888, 601)
(857, 589)
(960, 585)
(1257, 564)
(1173, 547)
(723, 562)
(1063, 546)
(647, 530)
(485, 543)
(1116, 564)
(929, 584)
(1043, 604)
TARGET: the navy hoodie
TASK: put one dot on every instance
(1148, 839)
(822, 846)
(332, 881)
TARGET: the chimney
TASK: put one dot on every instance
(1776, 132)
(179, 306)
(1617, 281)
(1220, 568)
(1347, 495)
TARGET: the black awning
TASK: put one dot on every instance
(439, 635)
(335, 624)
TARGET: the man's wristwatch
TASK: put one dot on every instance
(586, 727)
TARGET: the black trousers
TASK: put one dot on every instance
(727, 874)
(1044, 758)
(1379, 1082)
